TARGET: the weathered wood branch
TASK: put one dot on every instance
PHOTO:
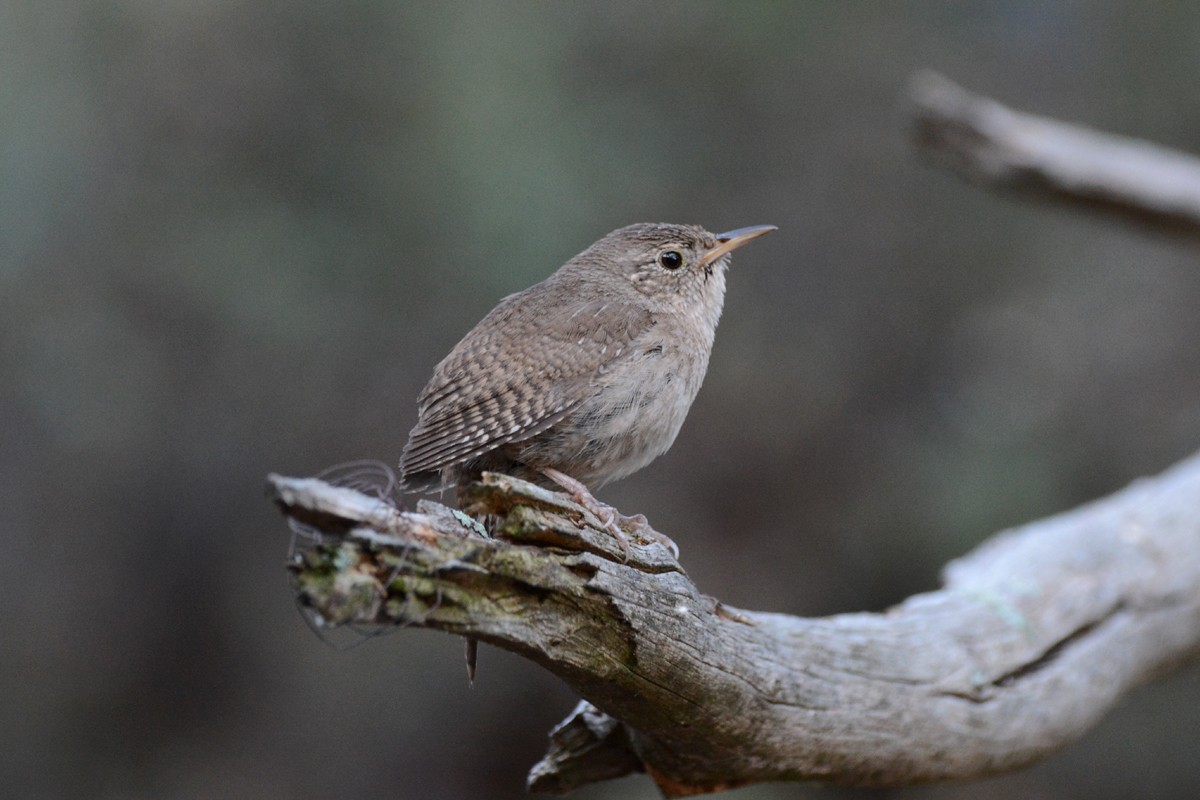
(1029, 642)
(988, 142)
(1031, 639)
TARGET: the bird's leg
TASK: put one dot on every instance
(608, 515)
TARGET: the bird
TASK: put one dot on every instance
(585, 377)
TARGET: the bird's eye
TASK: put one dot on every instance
(671, 259)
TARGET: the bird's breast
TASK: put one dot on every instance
(632, 415)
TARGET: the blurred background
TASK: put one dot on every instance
(235, 237)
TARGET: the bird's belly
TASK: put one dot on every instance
(631, 419)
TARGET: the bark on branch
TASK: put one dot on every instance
(988, 142)
(1032, 638)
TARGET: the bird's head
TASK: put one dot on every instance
(675, 267)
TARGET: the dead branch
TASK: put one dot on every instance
(988, 142)
(1032, 638)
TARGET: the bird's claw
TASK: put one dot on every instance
(608, 516)
(639, 525)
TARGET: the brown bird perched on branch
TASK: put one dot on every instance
(585, 377)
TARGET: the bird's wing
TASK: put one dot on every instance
(508, 381)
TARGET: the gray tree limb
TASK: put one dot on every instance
(1032, 638)
(991, 143)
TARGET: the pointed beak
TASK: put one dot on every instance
(732, 240)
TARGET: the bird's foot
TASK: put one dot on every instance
(609, 516)
(639, 525)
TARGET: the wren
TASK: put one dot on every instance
(585, 377)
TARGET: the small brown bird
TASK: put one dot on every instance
(585, 377)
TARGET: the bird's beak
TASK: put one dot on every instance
(732, 240)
